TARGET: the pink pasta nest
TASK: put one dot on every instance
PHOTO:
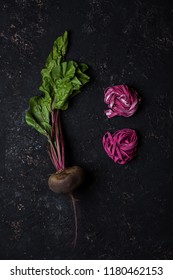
(121, 100)
(121, 146)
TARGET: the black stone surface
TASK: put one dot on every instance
(124, 212)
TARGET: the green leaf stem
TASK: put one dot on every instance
(60, 81)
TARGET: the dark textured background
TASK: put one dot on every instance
(124, 212)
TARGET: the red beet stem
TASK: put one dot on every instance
(56, 149)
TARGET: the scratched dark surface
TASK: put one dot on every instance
(124, 212)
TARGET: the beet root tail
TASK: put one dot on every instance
(75, 219)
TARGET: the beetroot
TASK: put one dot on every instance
(66, 180)
(60, 81)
